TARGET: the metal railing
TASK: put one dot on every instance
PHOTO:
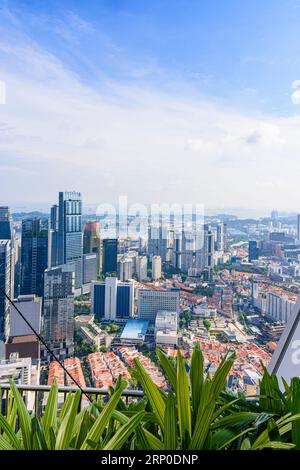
(35, 395)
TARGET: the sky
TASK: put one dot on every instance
(168, 101)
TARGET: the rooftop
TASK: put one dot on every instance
(135, 329)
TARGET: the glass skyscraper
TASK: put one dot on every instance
(6, 264)
(6, 282)
(6, 229)
(92, 241)
(34, 256)
(110, 256)
(66, 232)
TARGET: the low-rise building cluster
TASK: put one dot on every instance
(56, 372)
(73, 366)
(101, 375)
(129, 354)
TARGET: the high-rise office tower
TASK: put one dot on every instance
(170, 246)
(153, 239)
(163, 242)
(110, 256)
(188, 250)
(208, 248)
(53, 237)
(59, 309)
(89, 268)
(92, 241)
(112, 299)
(66, 233)
(204, 252)
(156, 267)
(34, 256)
(7, 233)
(141, 267)
(6, 283)
(253, 250)
(160, 239)
(298, 227)
(220, 242)
(177, 250)
(6, 228)
(17, 262)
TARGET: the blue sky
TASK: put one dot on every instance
(243, 52)
(104, 96)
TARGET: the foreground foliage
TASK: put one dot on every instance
(196, 413)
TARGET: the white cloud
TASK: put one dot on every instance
(154, 146)
(295, 96)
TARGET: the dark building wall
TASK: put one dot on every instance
(110, 256)
(23, 348)
(123, 301)
(34, 256)
(253, 250)
(99, 301)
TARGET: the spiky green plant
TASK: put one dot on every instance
(71, 428)
(278, 411)
(195, 415)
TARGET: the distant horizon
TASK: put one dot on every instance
(89, 209)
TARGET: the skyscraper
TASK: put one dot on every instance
(160, 239)
(141, 267)
(6, 283)
(89, 268)
(6, 228)
(177, 250)
(34, 256)
(208, 248)
(153, 240)
(92, 241)
(204, 252)
(66, 235)
(112, 299)
(59, 308)
(220, 242)
(7, 233)
(53, 237)
(298, 227)
(253, 250)
(188, 250)
(110, 256)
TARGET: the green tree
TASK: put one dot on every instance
(187, 316)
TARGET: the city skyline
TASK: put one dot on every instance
(162, 104)
(149, 227)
